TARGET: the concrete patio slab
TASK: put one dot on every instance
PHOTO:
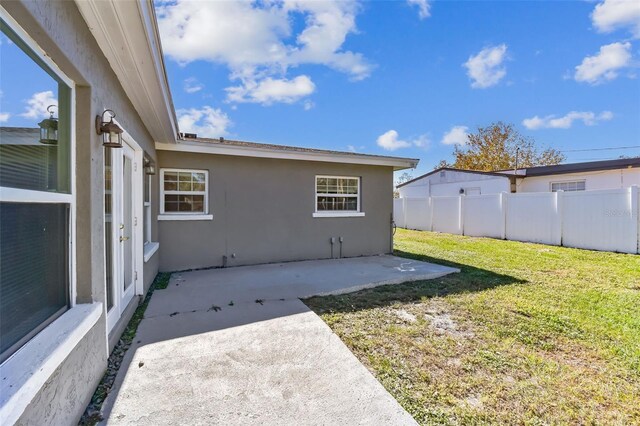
(188, 290)
(197, 358)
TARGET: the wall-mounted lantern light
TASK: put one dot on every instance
(149, 166)
(110, 131)
(49, 128)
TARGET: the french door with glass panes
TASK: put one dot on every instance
(122, 203)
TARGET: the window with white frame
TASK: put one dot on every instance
(147, 209)
(577, 185)
(36, 199)
(337, 194)
(184, 191)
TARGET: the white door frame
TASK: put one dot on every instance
(120, 299)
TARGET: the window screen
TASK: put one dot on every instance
(34, 262)
(340, 194)
(184, 191)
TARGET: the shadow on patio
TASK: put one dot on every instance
(470, 279)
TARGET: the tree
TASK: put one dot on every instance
(442, 164)
(500, 146)
(405, 177)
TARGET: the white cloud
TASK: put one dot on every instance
(423, 7)
(38, 103)
(604, 65)
(4, 117)
(205, 122)
(552, 122)
(486, 69)
(457, 135)
(270, 90)
(390, 141)
(258, 40)
(611, 15)
(192, 85)
(421, 141)
(307, 105)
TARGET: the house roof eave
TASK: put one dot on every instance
(127, 34)
(258, 150)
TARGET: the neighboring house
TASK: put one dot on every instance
(609, 174)
(85, 227)
(449, 181)
(588, 176)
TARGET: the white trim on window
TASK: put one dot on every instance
(17, 195)
(27, 370)
(150, 246)
(149, 250)
(146, 207)
(183, 216)
(337, 213)
(205, 193)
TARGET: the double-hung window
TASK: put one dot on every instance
(147, 209)
(184, 194)
(36, 200)
(150, 247)
(578, 185)
(337, 196)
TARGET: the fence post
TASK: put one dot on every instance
(634, 196)
(461, 214)
(404, 213)
(503, 215)
(430, 214)
(559, 214)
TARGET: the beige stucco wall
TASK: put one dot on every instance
(262, 211)
(60, 30)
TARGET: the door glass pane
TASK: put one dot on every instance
(108, 225)
(127, 221)
(34, 260)
(34, 143)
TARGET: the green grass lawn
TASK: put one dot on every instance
(525, 334)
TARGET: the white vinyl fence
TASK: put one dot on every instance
(605, 220)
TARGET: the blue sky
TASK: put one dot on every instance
(404, 78)
(416, 83)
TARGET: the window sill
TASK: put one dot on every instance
(27, 370)
(338, 214)
(149, 249)
(185, 217)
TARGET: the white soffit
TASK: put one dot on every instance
(127, 34)
(267, 152)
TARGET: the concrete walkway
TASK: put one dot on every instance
(237, 346)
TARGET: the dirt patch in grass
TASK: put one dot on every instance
(92, 414)
(525, 334)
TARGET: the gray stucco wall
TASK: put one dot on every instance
(59, 29)
(64, 396)
(262, 211)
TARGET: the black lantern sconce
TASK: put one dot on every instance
(110, 131)
(149, 166)
(49, 128)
